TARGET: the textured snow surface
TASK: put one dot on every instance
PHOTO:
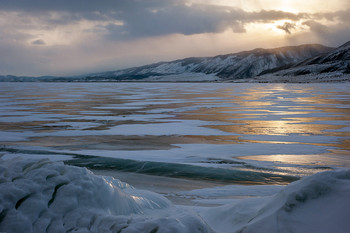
(42, 196)
(241, 65)
(183, 77)
(331, 66)
(318, 203)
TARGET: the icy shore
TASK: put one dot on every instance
(45, 196)
(318, 203)
(42, 196)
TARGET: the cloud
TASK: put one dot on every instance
(38, 42)
(49, 36)
(191, 19)
(317, 27)
(332, 34)
(342, 15)
(153, 18)
(287, 27)
(144, 18)
(180, 19)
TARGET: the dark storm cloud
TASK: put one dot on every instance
(191, 19)
(197, 18)
(146, 18)
(181, 19)
(43, 36)
(62, 5)
(129, 19)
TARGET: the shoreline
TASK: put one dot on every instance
(265, 78)
(166, 186)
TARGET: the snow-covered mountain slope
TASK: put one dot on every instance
(332, 65)
(240, 65)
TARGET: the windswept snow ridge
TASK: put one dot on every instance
(318, 203)
(42, 196)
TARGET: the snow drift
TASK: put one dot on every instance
(319, 203)
(42, 196)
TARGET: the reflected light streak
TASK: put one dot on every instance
(314, 160)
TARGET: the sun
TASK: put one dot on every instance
(287, 6)
(277, 28)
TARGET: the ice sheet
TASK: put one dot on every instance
(216, 125)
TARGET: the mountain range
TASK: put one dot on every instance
(303, 63)
(331, 66)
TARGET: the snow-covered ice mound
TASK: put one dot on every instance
(318, 203)
(43, 196)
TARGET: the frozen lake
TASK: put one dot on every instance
(219, 133)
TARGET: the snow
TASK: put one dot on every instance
(166, 68)
(172, 128)
(170, 112)
(44, 196)
(319, 203)
(234, 190)
(308, 78)
(202, 154)
(183, 77)
(223, 67)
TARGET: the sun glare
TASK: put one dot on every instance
(287, 6)
(269, 29)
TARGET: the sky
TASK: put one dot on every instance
(72, 37)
